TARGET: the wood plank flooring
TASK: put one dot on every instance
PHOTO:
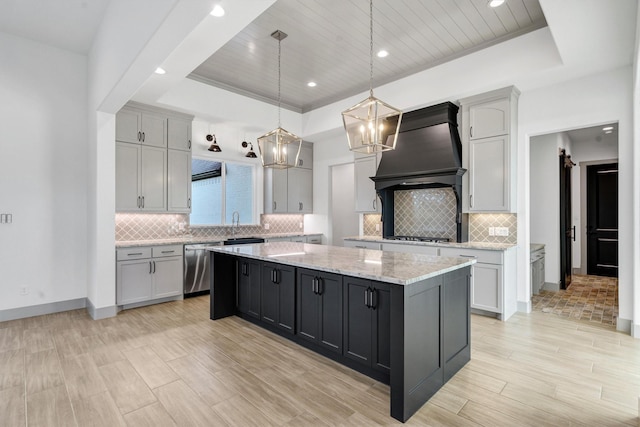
(169, 365)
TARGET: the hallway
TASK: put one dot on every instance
(589, 298)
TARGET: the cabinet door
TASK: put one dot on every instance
(488, 175)
(128, 177)
(179, 134)
(365, 192)
(133, 281)
(249, 287)
(308, 306)
(305, 159)
(381, 331)
(357, 320)
(154, 179)
(489, 119)
(486, 287)
(167, 277)
(279, 189)
(269, 295)
(300, 190)
(154, 130)
(179, 181)
(329, 288)
(128, 126)
(286, 282)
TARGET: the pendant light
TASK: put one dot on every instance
(279, 149)
(371, 125)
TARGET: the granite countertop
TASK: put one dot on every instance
(186, 239)
(391, 267)
(465, 245)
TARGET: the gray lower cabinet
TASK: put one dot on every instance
(248, 291)
(277, 299)
(319, 313)
(367, 310)
(148, 273)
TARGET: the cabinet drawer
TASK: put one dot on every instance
(487, 257)
(133, 253)
(169, 250)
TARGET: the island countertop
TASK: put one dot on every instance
(392, 267)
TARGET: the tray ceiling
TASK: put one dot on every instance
(328, 43)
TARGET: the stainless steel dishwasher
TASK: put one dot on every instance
(196, 269)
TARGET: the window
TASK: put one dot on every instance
(220, 188)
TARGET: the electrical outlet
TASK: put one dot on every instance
(377, 227)
(492, 231)
(502, 231)
(301, 225)
(266, 225)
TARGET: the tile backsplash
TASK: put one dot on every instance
(427, 212)
(166, 226)
(369, 225)
(479, 227)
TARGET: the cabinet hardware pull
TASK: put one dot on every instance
(374, 293)
(142, 202)
(367, 297)
(154, 267)
(374, 204)
(189, 202)
(133, 254)
(274, 205)
(470, 200)
(142, 136)
(168, 252)
(318, 282)
(300, 208)
(471, 131)
(468, 256)
(189, 145)
(139, 136)
(150, 268)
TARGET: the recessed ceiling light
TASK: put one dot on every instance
(495, 3)
(160, 71)
(608, 128)
(312, 84)
(217, 11)
(383, 54)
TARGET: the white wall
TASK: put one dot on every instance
(43, 173)
(589, 101)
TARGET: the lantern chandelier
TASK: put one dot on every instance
(279, 148)
(371, 125)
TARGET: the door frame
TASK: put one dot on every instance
(583, 209)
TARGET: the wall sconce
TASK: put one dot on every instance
(251, 154)
(214, 145)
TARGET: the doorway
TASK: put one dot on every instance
(567, 230)
(343, 220)
(602, 220)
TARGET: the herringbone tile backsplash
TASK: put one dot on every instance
(166, 226)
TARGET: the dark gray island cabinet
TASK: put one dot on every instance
(400, 318)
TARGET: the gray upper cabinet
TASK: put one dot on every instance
(489, 133)
(290, 190)
(366, 199)
(141, 127)
(179, 134)
(150, 177)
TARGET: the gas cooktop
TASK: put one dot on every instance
(419, 238)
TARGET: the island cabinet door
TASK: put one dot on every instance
(278, 296)
(357, 320)
(319, 314)
(248, 291)
(381, 332)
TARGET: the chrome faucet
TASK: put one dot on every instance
(235, 222)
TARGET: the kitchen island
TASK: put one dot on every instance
(400, 318)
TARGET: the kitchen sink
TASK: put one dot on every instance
(243, 240)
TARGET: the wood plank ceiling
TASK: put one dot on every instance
(328, 43)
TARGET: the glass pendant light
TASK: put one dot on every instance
(279, 148)
(371, 125)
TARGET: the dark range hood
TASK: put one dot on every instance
(428, 154)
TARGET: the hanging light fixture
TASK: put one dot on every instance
(250, 154)
(214, 145)
(279, 148)
(371, 125)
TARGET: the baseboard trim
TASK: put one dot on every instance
(151, 302)
(624, 325)
(549, 286)
(524, 306)
(41, 309)
(102, 312)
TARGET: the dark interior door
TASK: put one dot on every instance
(567, 232)
(602, 220)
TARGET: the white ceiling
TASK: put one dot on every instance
(67, 24)
(328, 42)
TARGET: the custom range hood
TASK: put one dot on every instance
(428, 154)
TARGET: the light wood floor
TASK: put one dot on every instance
(169, 365)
